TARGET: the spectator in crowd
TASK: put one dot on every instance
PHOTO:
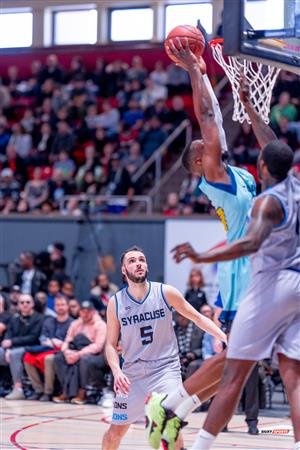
(152, 92)
(21, 140)
(36, 191)
(210, 347)
(74, 308)
(56, 253)
(14, 162)
(53, 290)
(136, 71)
(91, 164)
(172, 207)
(109, 119)
(102, 290)
(41, 304)
(115, 77)
(58, 187)
(195, 294)
(81, 353)
(159, 75)
(9, 191)
(65, 164)
(133, 114)
(5, 315)
(67, 289)
(64, 140)
(23, 330)
(118, 182)
(51, 70)
(13, 297)
(4, 136)
(286, 134)
(178, 80)
(30, 279)
(152, 136)
(189, 339)
(134, 159)
(245, 144)
(177, 113)
(43, 142)
(5, 97)
(41, 358)
(284, 108)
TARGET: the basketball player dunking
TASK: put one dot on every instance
(141, 314)
(231, 191)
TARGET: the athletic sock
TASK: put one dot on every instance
(175, 399)
(297, 445)
(187, 406)
(204, 441)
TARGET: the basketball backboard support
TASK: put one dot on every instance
(266, 31)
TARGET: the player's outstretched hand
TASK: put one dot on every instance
(184, 251)
(244, 89)
(184, 55)
(121, 383)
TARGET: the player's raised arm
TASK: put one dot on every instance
(178, 302)
(206, 109)
(264, 134)
(121, 382)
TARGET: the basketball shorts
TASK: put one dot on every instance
(163, 376)
(268, 318)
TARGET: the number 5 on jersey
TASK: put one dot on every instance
(146, 335)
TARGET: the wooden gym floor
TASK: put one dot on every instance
(31, 425)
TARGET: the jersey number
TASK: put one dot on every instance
(146, 335)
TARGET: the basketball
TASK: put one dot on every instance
(195, 38)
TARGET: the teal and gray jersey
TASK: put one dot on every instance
(232, 203)
(281, 250)
(147, 332)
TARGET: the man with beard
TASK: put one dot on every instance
(142, 314)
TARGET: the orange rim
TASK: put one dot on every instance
(216, 41)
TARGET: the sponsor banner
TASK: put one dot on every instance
(202, 235)
(279, 430)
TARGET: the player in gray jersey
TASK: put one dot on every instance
(268, 319)
(141, 315)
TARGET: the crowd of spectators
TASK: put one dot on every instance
(72, 130)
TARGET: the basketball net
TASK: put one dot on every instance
(260, 78)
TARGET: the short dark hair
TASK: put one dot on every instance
(278, 158)
(134, 248)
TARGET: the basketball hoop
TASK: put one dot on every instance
(260, 77)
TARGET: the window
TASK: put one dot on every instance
(133, 24)
(188, 14)
(258, 14)
(15, 29)
(75, 27)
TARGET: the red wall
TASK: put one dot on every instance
(150, 53)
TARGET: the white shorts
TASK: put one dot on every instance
(162, 376)
(268, 318)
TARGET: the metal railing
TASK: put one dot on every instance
(156, 157)
(122, 200)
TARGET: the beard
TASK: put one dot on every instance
(136, 278)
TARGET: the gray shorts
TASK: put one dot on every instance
(268, 318)
(163, 376)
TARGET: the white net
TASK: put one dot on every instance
(260, 77)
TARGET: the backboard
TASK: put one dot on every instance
(266, 31)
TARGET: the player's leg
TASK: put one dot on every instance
(290, 373)
(113, 436)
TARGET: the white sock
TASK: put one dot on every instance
(204, 441)
(175, 399)
(297, 446)
(187, 406)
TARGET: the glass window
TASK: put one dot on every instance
(15, 29)
(188, 14)
(259, 17)
(75, 27)
(134, 24)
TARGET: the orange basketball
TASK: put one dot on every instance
(194, 36)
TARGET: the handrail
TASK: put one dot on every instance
(89, 197)
(159, 151)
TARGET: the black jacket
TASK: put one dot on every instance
(38, 282)
(24, 331)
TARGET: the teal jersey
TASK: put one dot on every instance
(232, 203)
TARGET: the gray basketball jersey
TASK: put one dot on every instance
(147, 331)
(281, 250)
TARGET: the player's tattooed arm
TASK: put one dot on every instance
(263, 133)
(208, 114)
(267, 213)
(121, 382)
(178, 302)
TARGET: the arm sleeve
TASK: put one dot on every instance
(218, 114)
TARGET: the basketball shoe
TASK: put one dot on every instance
(156, 416)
